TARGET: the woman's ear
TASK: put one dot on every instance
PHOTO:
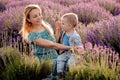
(28, 20)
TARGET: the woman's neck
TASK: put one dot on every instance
(38, 28)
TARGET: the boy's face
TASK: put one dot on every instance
(65, 25)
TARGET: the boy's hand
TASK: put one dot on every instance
(58, 25)
(79, 50)
(58, 30)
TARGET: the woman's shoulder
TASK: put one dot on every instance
(35, 35)
(32, 36)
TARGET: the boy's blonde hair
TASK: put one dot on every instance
(72, 18)
(27, 26)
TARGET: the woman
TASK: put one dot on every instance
(40, 35)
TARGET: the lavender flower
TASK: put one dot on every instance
(101, 53)
(88, 12)
(107, 32)
(110, 5)
(2, 7)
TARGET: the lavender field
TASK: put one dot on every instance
(99, 28)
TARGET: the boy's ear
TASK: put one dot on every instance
(70, 25)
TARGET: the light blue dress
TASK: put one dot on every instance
(45, 53)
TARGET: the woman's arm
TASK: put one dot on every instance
(49, 44)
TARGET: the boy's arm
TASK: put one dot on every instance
(57, 35)
(78, 43)
(58, 31)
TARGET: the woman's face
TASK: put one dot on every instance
(35, 17)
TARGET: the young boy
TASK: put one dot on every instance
(68, 37)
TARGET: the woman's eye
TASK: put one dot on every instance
(34, 16)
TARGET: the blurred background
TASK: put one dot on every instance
(99, 28)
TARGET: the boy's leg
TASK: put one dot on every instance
(61, 65)
(61, 70)
(72, 61)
